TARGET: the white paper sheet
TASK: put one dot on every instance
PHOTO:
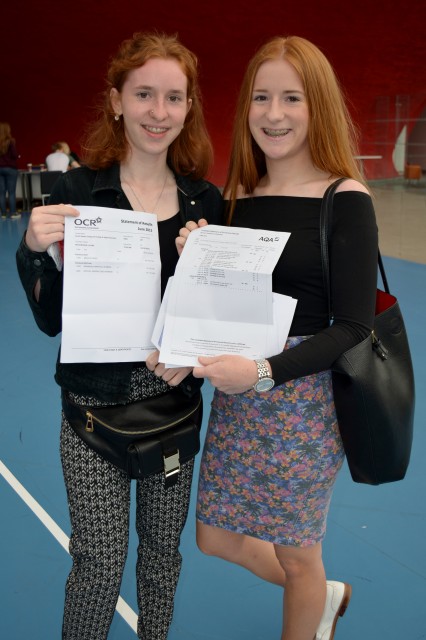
(112, 273)
(220, 299)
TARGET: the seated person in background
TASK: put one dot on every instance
(74, 160)
(57, 160)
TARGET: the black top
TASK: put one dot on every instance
(353, 267)
(168, 231)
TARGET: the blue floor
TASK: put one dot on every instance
(375, 540)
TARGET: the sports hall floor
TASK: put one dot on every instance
(376, 535)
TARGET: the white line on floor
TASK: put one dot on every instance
(122, 607)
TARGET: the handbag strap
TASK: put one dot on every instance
(326, 215)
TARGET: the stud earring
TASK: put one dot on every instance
(116, 117)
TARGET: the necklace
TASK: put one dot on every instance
(138, 199)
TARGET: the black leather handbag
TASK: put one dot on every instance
(373, 384)
(142, 438)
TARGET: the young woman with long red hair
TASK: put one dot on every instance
(148, 151)
(273, 449)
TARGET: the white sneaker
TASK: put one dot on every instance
(338, 596)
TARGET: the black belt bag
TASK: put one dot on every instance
(142, 438)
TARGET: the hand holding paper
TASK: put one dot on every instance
(230, 374)
(220, 300)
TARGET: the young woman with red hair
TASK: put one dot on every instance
(273, 449)
(148, 151)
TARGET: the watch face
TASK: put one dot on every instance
(264, 384)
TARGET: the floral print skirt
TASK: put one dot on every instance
(270, 461)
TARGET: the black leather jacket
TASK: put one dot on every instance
(109, 382)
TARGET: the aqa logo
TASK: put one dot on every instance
(268, 239)
(87, 222)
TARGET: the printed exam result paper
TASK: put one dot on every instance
(111, 297)
(220, 299)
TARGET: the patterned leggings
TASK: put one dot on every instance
(99, 502)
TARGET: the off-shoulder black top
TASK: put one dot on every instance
(298, 273)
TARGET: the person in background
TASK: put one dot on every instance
(148, 151)
(74, 160)
(273, 448)
(58, 160)
(8, 172)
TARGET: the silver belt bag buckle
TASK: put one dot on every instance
(171, 464)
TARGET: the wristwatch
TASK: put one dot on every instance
(265, 382)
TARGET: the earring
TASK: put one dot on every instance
(116, 117)
(151, 113)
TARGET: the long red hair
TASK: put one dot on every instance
(332, 135)
(191, 152)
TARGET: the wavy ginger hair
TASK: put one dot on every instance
(331, 132)
(191, 152)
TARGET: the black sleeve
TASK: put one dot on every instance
(353, 282)
(33, 266)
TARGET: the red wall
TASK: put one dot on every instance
(54, 56)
